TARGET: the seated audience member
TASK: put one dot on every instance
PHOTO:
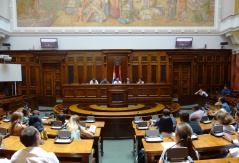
(197, 114)
(237, 121)
(183, 132)
(224, 104)
(61, 117)
(219, 109)
(36, 121)
(26, 114)
(184, 117)
(167, 113)
(127, 81)
(104, 81)
(140, 81)
(117, 81)
(77, 131)
(201, 93)
(94, 81)
(226, 91)
(165, 124)
(31, 138)
(16, 126)
(225, 119)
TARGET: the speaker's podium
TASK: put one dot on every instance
(117, 96)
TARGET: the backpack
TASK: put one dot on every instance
(141, 156)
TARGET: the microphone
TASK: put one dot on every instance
(165, 154)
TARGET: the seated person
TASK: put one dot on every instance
(77, 131)
(225, 119)
(117, 81)
(166, 112)
(224, 104)
(226, 90)
(237, 121)
(127, 81)
(201, 93)
(104, 81)
(61, 117)
(16, 126)
(183, 132)
(30, 138)
(219, 109)
(94, 81)
(233, 152)
(165, 124)
(140, 81)
(26, 114)
(197, 114)
(36, 121)
(184, 117)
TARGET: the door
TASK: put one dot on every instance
(181, 78)
(52, 79)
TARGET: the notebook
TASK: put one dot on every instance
(153, 136)
(92, 129)
(56, 125)
(90, 119)
(138, 119)
(142, 125)
(63, 137)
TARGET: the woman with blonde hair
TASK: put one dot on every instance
(183, 133)
(76, 129)
(218, 109)
(225, 119)
(16, 126)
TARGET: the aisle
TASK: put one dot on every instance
(118, 151)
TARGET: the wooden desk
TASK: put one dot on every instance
(97, 93)
(98, 141)
(221, 160)
(139, 134)
(205, 142)
(80, 148)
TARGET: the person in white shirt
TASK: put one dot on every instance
(117, 81)
(94, 81)
(201, 93)
(197, 114)
(30, 138)
(140, 81)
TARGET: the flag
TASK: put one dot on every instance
(114, 75)
(119, 74)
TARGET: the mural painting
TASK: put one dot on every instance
(114, 13)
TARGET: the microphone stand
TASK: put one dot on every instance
(165, 159)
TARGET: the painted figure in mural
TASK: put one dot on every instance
(106, 7)
(172, 9)
(94, 12)
(115, 8)
(182, 10)
(203, 13)
(79, 13)
(127, 12)
(205, 9)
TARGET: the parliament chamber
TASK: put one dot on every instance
(168, 75)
